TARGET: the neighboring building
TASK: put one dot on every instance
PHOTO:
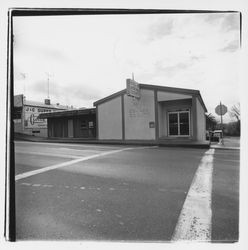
(77, 123)
(151, 113)
(26, 114)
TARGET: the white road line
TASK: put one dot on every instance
(67, 144)
(194, 222)
(60, 165)
(47, 154)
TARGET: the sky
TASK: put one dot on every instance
(90, 57)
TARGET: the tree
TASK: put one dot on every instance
(235, 112)
(211, 122)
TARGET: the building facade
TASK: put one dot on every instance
(78, 123)
(152, 114)
(26, 115)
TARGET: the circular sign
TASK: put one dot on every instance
(221, 109)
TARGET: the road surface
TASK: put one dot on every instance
(98, 192)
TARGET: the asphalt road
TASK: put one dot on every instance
(132, 194)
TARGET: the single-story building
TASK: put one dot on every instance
(140, 113)
(150, 113)
(77, 123)
(26, 113)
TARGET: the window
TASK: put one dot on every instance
(83, 124)
(179, 123)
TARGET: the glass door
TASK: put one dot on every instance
(179, 123)
(173, 123)
(184, 123)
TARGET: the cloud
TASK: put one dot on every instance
(175, 68)
(76, 91)
(226, 21)
(231, 22)
(231, 47)
(160, 29)
(170, 70)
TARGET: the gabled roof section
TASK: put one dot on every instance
(192, 92)
(108, 98)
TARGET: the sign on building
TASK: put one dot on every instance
(133, 88)
(31, 117)
(18, 100)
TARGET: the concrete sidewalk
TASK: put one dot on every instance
(160, 143)
(228, 142)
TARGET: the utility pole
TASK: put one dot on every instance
(24, 87)
(48, 83)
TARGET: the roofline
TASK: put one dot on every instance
(71, 112)
(108, 98)
(154, 87)
(169, 89)
(202, 102)
(44, 106)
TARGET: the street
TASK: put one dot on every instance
(108, 192)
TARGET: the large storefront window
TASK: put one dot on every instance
(179, 123)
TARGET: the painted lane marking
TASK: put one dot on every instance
(67, 144)
(47, 154)
(36, 185)
(79, 150)
(67, 163)
(26, 184)
(194, 222)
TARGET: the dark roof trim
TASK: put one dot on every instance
(169, 89)
(67, 113)
(158, 88)
(44, 106)
(202, 103)
(151, 87)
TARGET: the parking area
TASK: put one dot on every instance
(99, 192)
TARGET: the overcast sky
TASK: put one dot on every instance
(90, 57)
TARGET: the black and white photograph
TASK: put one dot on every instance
(124, 125)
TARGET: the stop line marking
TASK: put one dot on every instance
(194, 222)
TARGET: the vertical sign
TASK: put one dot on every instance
(133, 88)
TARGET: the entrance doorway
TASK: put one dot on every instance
(179, 123)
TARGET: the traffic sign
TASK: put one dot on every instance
(221, 109)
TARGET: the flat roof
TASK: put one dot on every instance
(43, 105)
(67, 113)
(192, 92)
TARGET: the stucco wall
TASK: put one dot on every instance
(138, 114)
(201, 122)
(110, 119)
(168, 96)
(162, 122)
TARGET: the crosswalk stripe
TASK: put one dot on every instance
(64, 164)
(194, 222)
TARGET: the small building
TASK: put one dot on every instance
(25, 115)
(154, 114)
(77, 123)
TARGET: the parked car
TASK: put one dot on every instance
(215, 135)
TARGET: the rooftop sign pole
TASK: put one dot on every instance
(133, 88)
